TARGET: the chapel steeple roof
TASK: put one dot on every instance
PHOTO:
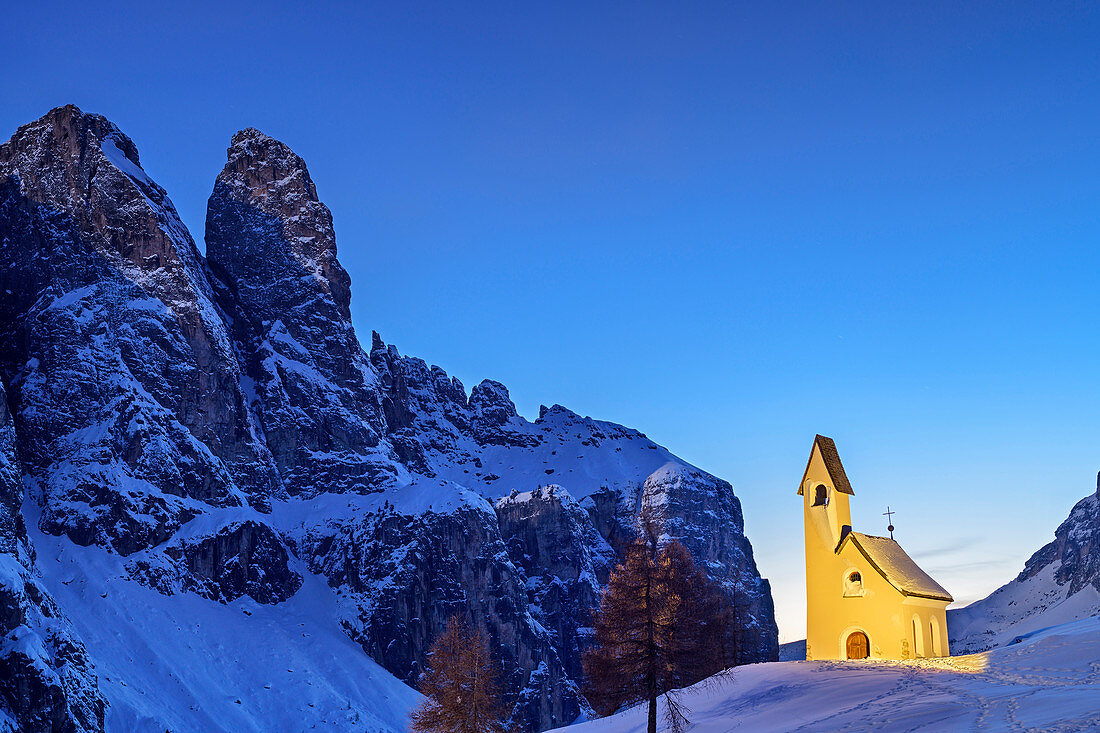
(832, 464)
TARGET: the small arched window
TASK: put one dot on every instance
(821, 495)
(853, 584)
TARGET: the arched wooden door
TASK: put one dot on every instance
(858, 646)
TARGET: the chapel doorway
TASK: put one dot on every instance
(858, 646)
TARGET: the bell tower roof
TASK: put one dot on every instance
(831, 458)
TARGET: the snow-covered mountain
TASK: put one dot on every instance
(213, 465)
(1059, 583)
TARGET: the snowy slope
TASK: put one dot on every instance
(1059, 583)
(185, 663)
(577, 453)
(1048, 681)
(1017, 608)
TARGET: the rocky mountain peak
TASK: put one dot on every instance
(1074, 554)
(270, 170)
(377, 344)
(62, 134)
(83, 165)
(270, 242)
(1060, 582)
(557, 412)
(490, 400)
(123, 382)
(57, 145)
(266, 176)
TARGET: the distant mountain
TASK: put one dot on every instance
(203, 440)
(1059, 583)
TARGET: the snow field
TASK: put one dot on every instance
(184, 663)
(1048, 681)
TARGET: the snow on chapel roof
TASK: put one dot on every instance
(896, 566)
(832, 465)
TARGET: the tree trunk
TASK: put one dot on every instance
(651, 666)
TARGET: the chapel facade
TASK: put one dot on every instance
(865, 597)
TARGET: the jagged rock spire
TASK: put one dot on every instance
(270, 241)
(272, 180)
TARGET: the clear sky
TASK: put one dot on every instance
(731, 226)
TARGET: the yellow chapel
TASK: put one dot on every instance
(865, 597)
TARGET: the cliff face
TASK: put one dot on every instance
(703, 513)
(46, 679)
(217, 424)
(566, 561)
(430, 551)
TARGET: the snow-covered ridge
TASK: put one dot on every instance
(547, 493)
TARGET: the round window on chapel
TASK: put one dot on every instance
(853, 585)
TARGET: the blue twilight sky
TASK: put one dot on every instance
(729, 225)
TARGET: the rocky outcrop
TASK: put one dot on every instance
(614, 513)
(243, 558)
(494, 419)
(271, 244)
(702, 512)
(406, 571)
(432, 423)
(47, 682)
(427, 412)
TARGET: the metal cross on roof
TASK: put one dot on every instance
(890, 519)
